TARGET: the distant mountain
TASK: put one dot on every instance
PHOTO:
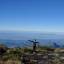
(55, 45)
(12, 43)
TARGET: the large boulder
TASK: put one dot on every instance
(3, 49)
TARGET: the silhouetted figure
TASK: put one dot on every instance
(34, 45)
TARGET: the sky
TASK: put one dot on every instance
(32, 15)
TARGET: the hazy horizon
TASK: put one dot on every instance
(30, 35)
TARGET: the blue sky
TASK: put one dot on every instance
(32, 15)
